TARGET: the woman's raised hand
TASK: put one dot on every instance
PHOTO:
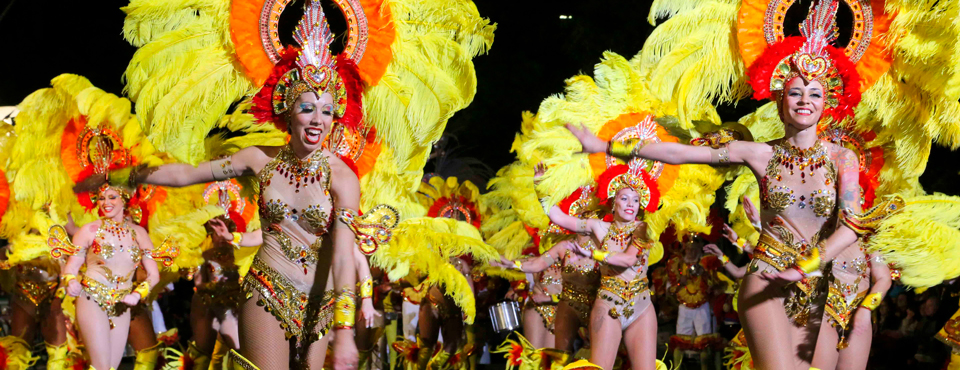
(590, 142)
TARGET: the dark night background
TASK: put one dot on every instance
(534, 51)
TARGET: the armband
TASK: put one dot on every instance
(59, 242)
(869, 221)
(165, 253)
(345, 310)
(872, 301)
(600, 256)
(222, 169)
(143, 289)
(371, 229)
(624, 149)
(366, 288)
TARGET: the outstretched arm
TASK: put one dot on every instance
(539, 263)
(671, 153)
(244, 162)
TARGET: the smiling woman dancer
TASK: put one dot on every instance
(111, 249)
(804, 181)
(309, 200)
(622, 309)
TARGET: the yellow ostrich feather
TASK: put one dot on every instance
(923, 240)
(184, 74)
(425, 246)
(511, 240)
(18, 354)
(744, 185)
(8, 138)
(688, 61)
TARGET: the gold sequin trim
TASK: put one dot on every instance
(108, 298)
(305, 317)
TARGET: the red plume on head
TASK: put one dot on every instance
(635, 179)
(262, 107)
(350, 75)
(237, 220)
(761, 71)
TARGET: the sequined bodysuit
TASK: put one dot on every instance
(799, 199)
(624, 292)
(581, 280)
(848, 285)
(111, 261)
(548, 283)
(296, 209)
(218, 282)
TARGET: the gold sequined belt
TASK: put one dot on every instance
(624, 289)
(300, 315)
(578, 294)
(776, 253)
(35, 292)
(105, 296)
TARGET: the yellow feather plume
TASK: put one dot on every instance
(923, 240)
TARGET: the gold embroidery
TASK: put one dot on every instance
(35, 292)
(779, 201)
(304, 255)
(108, 298)
(823, 206)
(305, 317)
(623, 291)
(579, 298)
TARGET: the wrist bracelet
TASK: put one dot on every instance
(741, 242)
(67, 278)
(237, 238)
(872, 301)
(143, 289)
(724, 260)
(811, 263)
(366, 288)
(518, 265)
(345, 309)
(600, 256)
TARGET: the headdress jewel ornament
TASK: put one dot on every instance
(310, 68)
(812, 58)
(630, 176)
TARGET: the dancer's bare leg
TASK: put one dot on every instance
(54, 325)
(142, 335)
(203, 326)
(533, 328)
(766, 325)
(641, 340)
(23, 320)
(228, 327)
(855, 356)
(95, 328)
(605, 335)
(566, 323)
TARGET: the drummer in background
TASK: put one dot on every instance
(692, 279)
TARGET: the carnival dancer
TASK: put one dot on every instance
(576, 297)
(692, 278)
(111, 249)
(805, 181)
(539, 301)
(309, 202)
(623, 308)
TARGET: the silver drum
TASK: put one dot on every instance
(505, 316)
